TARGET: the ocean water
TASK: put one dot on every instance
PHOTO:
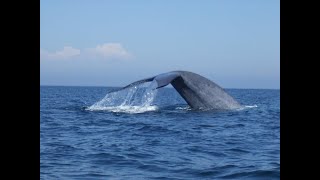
(140, 133)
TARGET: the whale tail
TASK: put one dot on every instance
(198, 91)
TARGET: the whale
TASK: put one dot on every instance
(198, 91)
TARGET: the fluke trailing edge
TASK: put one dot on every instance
(198, 91)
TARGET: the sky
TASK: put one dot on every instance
(115, 42)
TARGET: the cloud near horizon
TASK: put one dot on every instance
(105, 51)
(110, 51)
(67, 52)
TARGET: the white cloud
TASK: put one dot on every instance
(110, 51)
(67, 52)
(104, 51)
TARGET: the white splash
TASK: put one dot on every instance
(137, 99)
(246, 107)
(254, 106)
(183, 108)
(125, 109)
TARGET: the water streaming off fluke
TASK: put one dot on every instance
(135, 99)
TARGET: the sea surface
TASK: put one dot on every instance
(139, 133)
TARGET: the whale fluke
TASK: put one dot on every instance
(198, 91)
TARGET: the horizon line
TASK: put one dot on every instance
(164, 87)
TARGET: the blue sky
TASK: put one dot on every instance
(115, 42)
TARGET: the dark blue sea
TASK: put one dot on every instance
(138, 135)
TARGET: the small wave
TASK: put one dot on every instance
(246, 107)
(257, 174)
(124, 109)
(254, 106)
(183, 108)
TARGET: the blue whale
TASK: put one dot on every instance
(198, 91)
